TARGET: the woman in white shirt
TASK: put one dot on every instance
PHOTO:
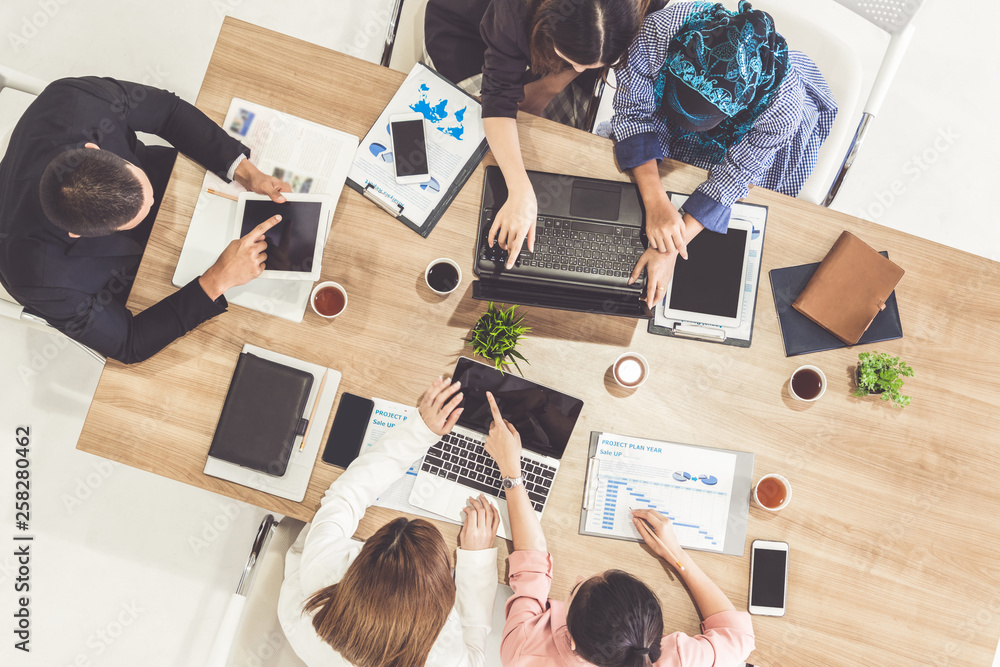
(391, 601)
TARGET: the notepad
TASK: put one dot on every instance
(263, 415)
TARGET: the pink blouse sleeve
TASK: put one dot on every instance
(726, 639)
(531, 579)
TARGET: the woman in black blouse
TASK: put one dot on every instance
(528, 51)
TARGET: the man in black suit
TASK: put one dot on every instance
(78, 196)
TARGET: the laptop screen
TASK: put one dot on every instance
(543, 417)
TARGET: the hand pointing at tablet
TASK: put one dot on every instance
(241, 261)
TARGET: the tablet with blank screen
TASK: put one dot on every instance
(294, 245)
(707, 288)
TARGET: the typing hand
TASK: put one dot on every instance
(254, 180)
(241, 261)
(503, 442)
(482, 519)
(514, 223)
(659, 272)
(437, 411)
(665, 227)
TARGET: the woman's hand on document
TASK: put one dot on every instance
(503, 442)
(482, 519)
(650, 521)
(439, 405)
(254, 180)
(659, 272)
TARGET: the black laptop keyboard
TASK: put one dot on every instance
(462, 459)
(574, 248)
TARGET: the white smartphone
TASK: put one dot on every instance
(409, 148)
(768, 578)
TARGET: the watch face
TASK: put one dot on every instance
(508, 483)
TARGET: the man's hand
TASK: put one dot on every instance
(659, 272)
(254, 180)
(436, 410)
(503, 442)
(480, 527)
(241, 261)
(665, 226)
(515, 221)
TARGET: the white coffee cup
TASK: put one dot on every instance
(788, 492)
(630, 370)
(323, 285)
(442, 260)
(822, 381)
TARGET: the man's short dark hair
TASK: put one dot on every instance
(90, 192)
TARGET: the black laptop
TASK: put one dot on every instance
(588, 237)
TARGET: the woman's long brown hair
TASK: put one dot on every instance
(390, 606)
(585, 31)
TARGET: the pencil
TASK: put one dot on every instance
(659, 542)
(312, 414)
(222, 194)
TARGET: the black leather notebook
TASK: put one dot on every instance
(801, 335)
(262, 415)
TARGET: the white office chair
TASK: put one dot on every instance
(250, 633)
(806, 24)
(9, 307)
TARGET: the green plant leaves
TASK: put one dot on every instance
(496, 335)
(878, 372)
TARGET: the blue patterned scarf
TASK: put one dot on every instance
(735, 61)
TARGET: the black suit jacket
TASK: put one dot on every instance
(80, 286)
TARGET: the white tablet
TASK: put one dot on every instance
(708, 287)
(294, 245)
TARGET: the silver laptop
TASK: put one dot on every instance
(458, 467)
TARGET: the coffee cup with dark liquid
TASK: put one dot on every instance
(329, 299)
(773, 492)
(630, 370)
(443, 275)
(808, 383)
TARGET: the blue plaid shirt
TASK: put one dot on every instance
(778, 153)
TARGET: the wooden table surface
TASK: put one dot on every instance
(893, 524)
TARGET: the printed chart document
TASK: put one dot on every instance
(387, 415)
(310, 157)
(740, 335)
(704, 491)
(456, 144)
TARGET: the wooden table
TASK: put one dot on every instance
(893, 525)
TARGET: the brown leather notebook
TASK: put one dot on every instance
(849, 288)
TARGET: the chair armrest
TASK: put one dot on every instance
(390, 33)
(852, 153)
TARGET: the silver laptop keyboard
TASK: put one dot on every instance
(461, 459)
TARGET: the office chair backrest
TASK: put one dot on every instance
(890, 15)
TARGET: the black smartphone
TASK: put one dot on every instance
(348, 431)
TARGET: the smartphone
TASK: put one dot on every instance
(348, 430)
(768, 578)
(409, 148)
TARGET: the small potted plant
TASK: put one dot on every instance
(878, 373)
(496, 335)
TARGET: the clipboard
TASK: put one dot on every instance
(739, 501)
(389, 195)
(718, 334)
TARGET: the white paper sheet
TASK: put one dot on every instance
(385, 416)
(756, 216)
(691, 485)
(454, 131)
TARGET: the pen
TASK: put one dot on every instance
(659, 542)
(222, 194)
(313, 413)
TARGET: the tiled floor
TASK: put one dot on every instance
(133, 569)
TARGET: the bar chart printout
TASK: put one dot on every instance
(689, 484)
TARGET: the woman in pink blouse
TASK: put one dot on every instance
(611, 619)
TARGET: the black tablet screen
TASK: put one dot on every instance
(543, 417)
(290, 243)
(711, 280)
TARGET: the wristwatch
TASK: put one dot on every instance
(510, 482)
